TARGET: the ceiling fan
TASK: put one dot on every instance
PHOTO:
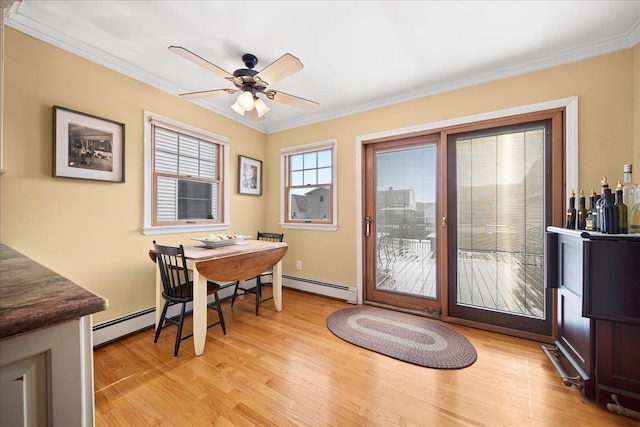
(251, 83)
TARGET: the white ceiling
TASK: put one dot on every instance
(357, 55)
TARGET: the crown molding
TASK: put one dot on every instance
(48, 35)
(9, 6)
(41, 32)
(499, 72)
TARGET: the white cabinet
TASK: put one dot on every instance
(46, 376)
(46, 345)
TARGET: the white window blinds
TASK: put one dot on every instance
(186, 186)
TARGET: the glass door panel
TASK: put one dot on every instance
(402, 264)
(499, 226)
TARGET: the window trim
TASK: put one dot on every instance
(148, 229)
(285, 153)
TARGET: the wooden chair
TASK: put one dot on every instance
(178, 289)
(257, 290)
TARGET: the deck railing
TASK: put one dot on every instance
(510, 281)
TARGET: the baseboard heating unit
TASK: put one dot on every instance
(347, 293)
(121, 327)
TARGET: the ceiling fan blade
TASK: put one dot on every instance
(282, 67)
(293, 101)
(207, 93)
(190, 56)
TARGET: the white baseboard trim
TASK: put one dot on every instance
(121, 327)
(347, 293)
(113, 330)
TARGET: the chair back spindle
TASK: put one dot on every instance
(271, 237)
(174, 272)
(178, 289)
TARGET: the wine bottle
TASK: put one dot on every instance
(605, 185)
(581, 220)
(595, 212)
(588, 223)
(571, 212)
(630, 189)
(634, 221)
(621, 211)
(609, 215)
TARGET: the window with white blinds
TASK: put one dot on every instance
(186, 178)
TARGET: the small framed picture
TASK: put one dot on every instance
(87, 147)
(249, 176)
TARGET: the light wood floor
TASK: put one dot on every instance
(288, 369)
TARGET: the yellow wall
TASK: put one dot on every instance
(636, 110)
(604, 87)
(90, 231)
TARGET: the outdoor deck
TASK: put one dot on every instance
(503, 281)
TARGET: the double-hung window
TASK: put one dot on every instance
(185, 178)
(310, 186)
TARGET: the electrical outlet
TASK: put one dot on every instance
(298, 265)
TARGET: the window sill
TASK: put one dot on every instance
(323, 227)
(187, 228)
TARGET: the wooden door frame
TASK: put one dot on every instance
(570, 135)
(412, 303)
(557, 183)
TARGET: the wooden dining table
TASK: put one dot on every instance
(240, 261)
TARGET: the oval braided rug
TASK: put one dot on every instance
(402, 336)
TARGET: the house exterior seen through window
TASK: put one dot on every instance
(310, 185)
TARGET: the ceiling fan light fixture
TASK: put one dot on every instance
(249, 83)
(245, 101)
(235, 107)
(261, 107)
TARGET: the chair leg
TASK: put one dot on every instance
(179, 333)
(161, 322)
(235, 293)
(258, 294)
(220, 316)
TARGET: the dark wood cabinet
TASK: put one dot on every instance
(618, 371)
(597, 278)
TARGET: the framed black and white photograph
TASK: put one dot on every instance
(249, 176)
(87, 147)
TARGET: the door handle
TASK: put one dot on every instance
(444, 221)
(367, 226)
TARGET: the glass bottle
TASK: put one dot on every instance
(621, 211)
(630, 189)
(571, 212)
(581, 220)
(608, 214)
(588, 223)
(595, 212)
(634, 218)
(599, 203)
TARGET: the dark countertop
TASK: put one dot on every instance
(34, 297)
(594, 235)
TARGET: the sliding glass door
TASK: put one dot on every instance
(454, 221)
(498, 199)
